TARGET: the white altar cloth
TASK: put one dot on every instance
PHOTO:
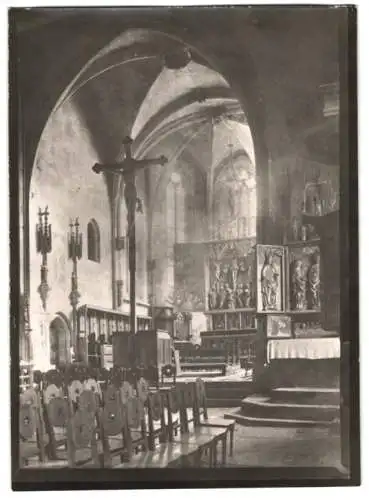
(317, 348)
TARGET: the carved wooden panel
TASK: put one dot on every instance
(231, 275)
(270, 278)
(327, 226)
(303, 278)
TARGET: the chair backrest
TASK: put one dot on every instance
(187, 402)
(134, 422)
(71, 411)
(111, 419)
(156, 413)
(31, 427)
(200, 408)
(84, 398)
(172, 399)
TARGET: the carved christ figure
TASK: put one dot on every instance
(269, 283)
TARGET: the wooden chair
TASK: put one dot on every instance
(72, 427)
(32, 436)
(160, 455)
(111, 425)
(206, 438)
(201, 414)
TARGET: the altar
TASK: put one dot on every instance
(310, 348)
(307, 362)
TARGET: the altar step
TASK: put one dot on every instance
(290, 407)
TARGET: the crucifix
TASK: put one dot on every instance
(128, 169)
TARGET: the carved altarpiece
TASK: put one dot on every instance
(230, 284)
(303, 278)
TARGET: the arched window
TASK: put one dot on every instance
(93, 241)
(234, 200)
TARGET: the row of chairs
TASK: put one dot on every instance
(81, 424)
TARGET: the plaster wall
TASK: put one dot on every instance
(63, 181)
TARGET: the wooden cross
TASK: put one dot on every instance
(127, 169)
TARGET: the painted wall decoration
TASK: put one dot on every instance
(270, 278)
(189, 279)
(231, 274)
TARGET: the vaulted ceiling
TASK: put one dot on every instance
(123, 80)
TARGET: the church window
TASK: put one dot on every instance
(93, 241)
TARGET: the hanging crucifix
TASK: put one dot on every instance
(128, 169)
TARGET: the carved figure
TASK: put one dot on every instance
(298, 285)
(269, 283)
(314, 281)
(246, 295)
(224, 273)
(239, 297)
(234, 273)
(217, 273)
(242, 272)
(229, 298)
(295, 229)
(221, 297)
(213, 298)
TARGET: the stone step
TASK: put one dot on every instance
(306, 395)
(266, 407)
(276, 422)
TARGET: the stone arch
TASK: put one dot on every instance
(248, 94)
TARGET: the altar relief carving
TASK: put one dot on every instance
(304, 281)
(231, 275)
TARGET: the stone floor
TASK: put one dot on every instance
(283, 447)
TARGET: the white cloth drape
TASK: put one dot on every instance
(323, 348)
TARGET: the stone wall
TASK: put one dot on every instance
(63, 181)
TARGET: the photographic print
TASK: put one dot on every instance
(183, 247)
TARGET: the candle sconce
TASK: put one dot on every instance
(74, 254)
(43, 246)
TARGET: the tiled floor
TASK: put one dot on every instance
(284, 447)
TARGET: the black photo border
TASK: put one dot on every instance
(38, 480)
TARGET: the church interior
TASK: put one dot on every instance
(179, 204)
